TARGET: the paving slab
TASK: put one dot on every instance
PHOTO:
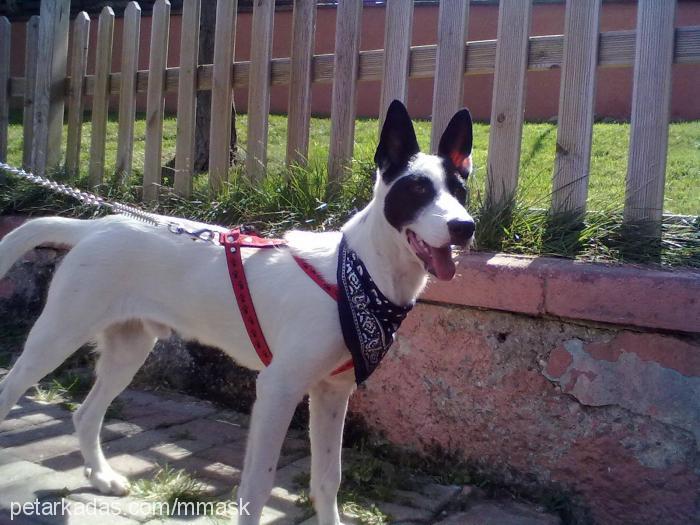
(128, 507)
(25, 435)
(19, 471)
(29, 403)
(45, 486)
(80, 513)
(30, 419)
(501, 513)
(131, 443)
(208, 431)
(6, 517)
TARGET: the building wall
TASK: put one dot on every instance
(614, 86)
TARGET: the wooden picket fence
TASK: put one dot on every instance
(47, 87)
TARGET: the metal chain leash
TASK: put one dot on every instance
(203, 234)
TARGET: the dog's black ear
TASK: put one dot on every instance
(397, 143)
(456, 142)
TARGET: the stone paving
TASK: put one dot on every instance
(40, 462)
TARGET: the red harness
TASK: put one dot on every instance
(233, 241)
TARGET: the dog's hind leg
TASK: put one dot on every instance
(51, 340)
(328, 403)
(123, 349)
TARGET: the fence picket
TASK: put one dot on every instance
(651, 97)
(49, 86)
(221, 95)
(576, 101)
(507, 106)
(157, 62)
(100, 98)
(127, 89)
(31, 53)
(299, 116)
(259, 89)
(78, 67)
(347, 58)
(187, 98)
(398, 30)
(449, 69)
(5, 42)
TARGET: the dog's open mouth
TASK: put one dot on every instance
(437, 261)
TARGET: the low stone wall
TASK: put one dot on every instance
(514, 367)
(545, 375)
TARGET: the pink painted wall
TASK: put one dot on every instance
(614, 87)
(536, 372)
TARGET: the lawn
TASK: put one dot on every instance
(284, 200)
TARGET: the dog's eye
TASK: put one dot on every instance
(419, 188)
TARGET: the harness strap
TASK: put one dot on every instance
(233, 241)
(330, 289)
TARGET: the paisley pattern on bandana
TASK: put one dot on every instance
(368, 319)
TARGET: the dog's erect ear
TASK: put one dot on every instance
(456, 142)
(397, 143)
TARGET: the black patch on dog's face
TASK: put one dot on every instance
(406, 198)
(454, 182)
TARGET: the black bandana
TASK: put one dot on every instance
(369, 320)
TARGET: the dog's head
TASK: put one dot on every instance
(424, 195)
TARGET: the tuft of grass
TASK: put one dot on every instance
(363, 512)
(366, 479)
(58, 389)
(170, 486)
(182, 435)
(115, 410)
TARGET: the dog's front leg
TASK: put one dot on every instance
(328, 402)
(278, 393)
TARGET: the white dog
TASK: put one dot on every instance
(126, 284)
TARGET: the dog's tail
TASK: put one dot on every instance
(45, 230)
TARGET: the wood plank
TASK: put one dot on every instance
(5, 43)
(221, 96)
(131, 36)
(100, 98)
(448, 87)
(31, 54)
(616, 49)
(76, 102)
(155, 101)
(49, 86)
(398, 30)
(299, 119)
(651, 100)
(507, 107)
(687, 49)
(347, 58)
(187, 98)
(259, 88)
(576, 103)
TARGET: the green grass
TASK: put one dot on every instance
(297, 197)
(170, 486)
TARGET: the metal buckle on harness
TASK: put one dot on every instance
(203, 234)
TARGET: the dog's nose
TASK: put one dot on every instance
(460, 231)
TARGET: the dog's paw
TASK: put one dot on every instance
(108, 482)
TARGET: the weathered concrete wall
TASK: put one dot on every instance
(514, 368)
(608, 415)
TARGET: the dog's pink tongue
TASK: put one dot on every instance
(443, 265)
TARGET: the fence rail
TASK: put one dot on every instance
(650, 50)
